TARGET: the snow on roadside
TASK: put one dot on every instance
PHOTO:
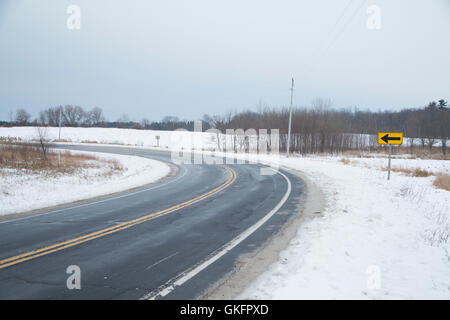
(25, 191)
(376, 239)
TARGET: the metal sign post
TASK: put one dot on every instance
(390, 138)
(389, 162)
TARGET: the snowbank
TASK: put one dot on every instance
(24, 191)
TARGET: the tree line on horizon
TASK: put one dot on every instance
(317, 128)
(320, 128)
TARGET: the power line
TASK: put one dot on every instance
(322, 53)
(342, 15)
(330, 32)
(345, 25)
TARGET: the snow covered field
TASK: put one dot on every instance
(432, 166)
(376, 239)
(142, 138)
(22, 191)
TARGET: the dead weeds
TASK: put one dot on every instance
(442, 181)
(29, 157)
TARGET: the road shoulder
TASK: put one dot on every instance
(250, 267)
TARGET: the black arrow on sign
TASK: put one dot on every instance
(386, 138)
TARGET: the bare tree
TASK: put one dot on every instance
(50, 116)
(73, 115)
(95, 117)
(22, 117)
(123, 119)
(43, 140)
(145, 123)
(444, 128)
(217, 124)
(412, 126)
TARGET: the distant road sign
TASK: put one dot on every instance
(390, 138)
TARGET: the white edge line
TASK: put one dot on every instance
(162, 260)
(227, 248)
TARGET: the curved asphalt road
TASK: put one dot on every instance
(147, 259)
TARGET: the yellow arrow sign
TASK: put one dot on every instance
(390, 138)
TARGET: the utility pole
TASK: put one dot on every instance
(290, 119)
(59, 120)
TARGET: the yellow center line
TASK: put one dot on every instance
(125, 225)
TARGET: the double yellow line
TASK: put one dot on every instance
(125, 225)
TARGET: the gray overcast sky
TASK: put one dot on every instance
(190, 57)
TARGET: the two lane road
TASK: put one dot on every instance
(170, 240)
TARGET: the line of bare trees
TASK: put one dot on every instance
(69, 116)
(76, 116)
(319, 128)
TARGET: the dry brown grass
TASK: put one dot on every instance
(26, 156)
(355, 153)
(442, 181)
(421, 173)
(62, 140)
(416, 172)
(416, 153)
(345, 161)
